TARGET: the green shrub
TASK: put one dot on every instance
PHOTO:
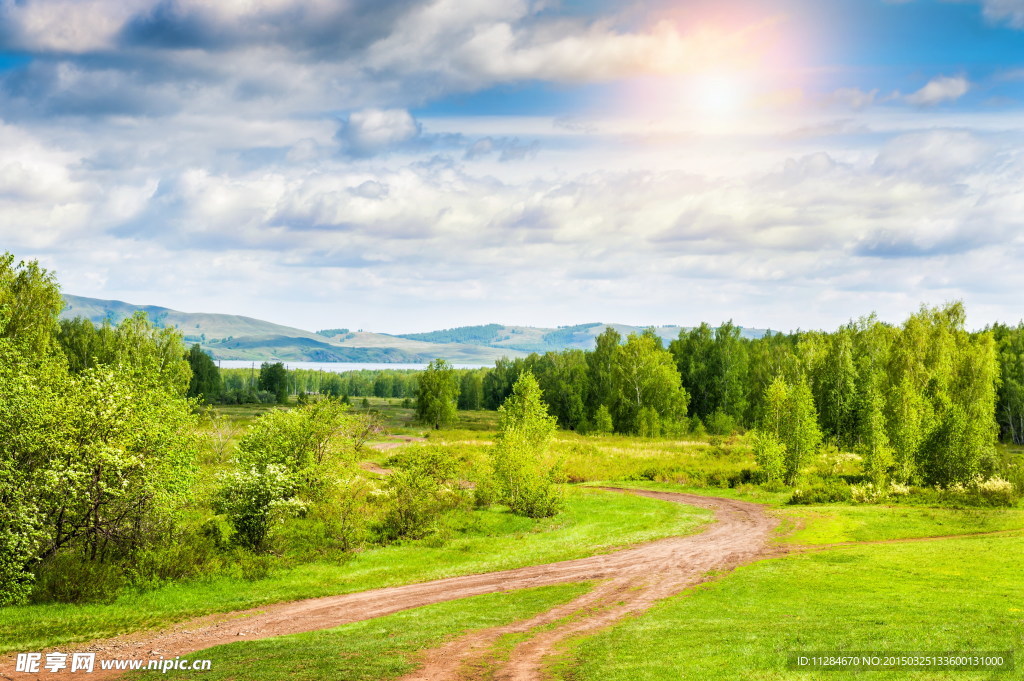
(254, 501)
(828, 492)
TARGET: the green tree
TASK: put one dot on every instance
(770, 454)
(802, 435)
(274, 379)
(437, 395)
(471, 390)
(1010, 397)
(309, 443)
(30, 298)
(603, 421)
(522, 479)
(873, 444)
(205, 381)
(694, 353)
(836, 388)
(646, 376)
(255, 501)
(602, 388)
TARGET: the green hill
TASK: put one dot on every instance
(227, 336)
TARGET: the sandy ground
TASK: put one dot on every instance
(630, 580)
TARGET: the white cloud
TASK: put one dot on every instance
(372, 131)
(939, 90)
(853, 98)
(1010, 11)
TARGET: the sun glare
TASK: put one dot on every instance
(717, 94)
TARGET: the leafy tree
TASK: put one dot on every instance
(802, 435)
(646, 376)
(437, 395)
(694, 355)
(563, 378)
(308, 443)
(603, 420)
(31, 300)
(522, 480)
(730, 366)
(205, 381)
(770, 454)
(874, 444)
(471, 390)
(602, 388)
(274, 379)
(1010, 397)
(836, 388)
(498, 382)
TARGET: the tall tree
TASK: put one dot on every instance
(205, 381)
(274, 379)
(601, 376)
(646, 376)
(438, 394)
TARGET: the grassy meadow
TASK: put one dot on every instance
(956, 594)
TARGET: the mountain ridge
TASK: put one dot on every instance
(236, 337)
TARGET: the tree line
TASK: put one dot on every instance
(921, 401)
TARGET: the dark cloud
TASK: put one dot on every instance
(322, 29)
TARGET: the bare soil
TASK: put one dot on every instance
(630, 581)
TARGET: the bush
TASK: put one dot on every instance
(66, 578)
(827, 492)
(993, 492)
(720, 423)
(254, 501)
(423, 486)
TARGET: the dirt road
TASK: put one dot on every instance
(630, 580)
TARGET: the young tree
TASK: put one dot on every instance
(437, 395)
(770, 454)
(873, 443)
(522, 480)
(802, 435)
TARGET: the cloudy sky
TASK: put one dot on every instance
(404, 165)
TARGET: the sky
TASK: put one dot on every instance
(399, 166)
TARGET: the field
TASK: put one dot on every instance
(813, 588)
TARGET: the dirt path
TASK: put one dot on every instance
(634, 579)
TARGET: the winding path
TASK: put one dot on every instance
(629, 581)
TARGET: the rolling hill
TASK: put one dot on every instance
(233, 337)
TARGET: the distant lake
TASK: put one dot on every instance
(336, 367)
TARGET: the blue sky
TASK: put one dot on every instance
(402, 165)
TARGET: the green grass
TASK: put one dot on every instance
(593, 522)
(833, 523)
(373, 650)
(751, 493)
(949, 595)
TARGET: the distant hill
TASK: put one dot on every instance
(533, 339)
(235, 337)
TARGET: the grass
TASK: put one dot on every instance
(835, 524)
(373, 650)
(949, 595)
(593, 522)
